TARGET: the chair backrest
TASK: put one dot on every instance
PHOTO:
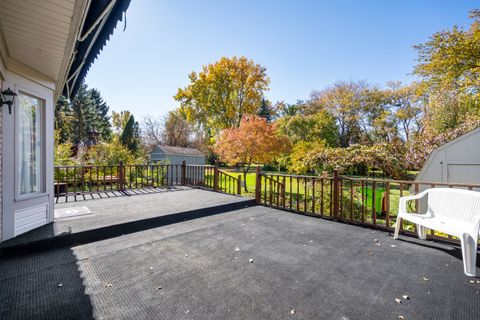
(458, 204)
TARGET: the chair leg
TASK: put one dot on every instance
(397, 227)
(422, 232)
(469, 254)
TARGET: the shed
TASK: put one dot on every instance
(175, 155)
(457, 161)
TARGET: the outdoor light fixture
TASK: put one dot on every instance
(7, 97)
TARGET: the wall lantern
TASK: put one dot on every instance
(7, 97)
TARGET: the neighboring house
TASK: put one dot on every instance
(176, 155)
(457, 161)
(46, 49)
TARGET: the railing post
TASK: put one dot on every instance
(215, 177)
(120, 176)
(336, 194)
(239, 185)
(258, 185)
(184, 173)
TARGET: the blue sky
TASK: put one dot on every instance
(305, 45)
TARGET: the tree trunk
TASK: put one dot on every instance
(245, 172)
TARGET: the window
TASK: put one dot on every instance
(28, 148)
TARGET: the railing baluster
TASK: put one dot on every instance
(291, 202)
(374, 211)
(298, 194)
(321, 196)
(351, 200)
(305, 201)
(363, 200)
(387, 204)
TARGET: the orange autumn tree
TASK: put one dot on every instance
(255, 140)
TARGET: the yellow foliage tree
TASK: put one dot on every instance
(222, 93)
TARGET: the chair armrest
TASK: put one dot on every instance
(402, 203)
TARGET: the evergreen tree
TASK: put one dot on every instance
(87, 110)
(265, 110)
(83, 112)
(102, 121)
(62, 120)
(130, 136)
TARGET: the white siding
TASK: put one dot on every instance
(457, 161)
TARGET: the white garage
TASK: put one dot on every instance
(457, 161)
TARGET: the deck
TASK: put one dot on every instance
(204, 255)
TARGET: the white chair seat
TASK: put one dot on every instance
(443, 224)
(452, 211)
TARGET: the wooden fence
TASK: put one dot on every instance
(371, 202)
(365, 201)
(81, 181)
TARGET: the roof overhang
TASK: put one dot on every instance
(96, 29)
(56, 41)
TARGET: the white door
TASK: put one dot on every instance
(27, 198)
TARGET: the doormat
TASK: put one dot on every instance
(71, 212)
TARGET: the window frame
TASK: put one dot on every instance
(42, 183)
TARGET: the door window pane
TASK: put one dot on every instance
(29, 144)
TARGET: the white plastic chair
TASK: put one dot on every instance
(452, 211)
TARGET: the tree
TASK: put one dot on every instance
(222, 93)
(119, 120)
(75, 118)
(255, 140)
(83, 114)
(346, 102)
(176, 130)
(102, 119)
(130, 136)
(63, 119)
(450, 76)
(313, 127)
(266, 111)
(407, 107)
(151, 131)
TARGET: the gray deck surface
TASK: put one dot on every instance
(123, 209)
(193, 270)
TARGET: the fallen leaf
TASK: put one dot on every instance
(311, 241)
(378, 244)
(108, 285)
(237, 249)
(59, 285)
(392, 245)
(159, 288)
(406, 297)
(186, 255)
(425, 279)
(401, 317)
(151, 268)
(292, 311)
(376, 240)
(472, 281)
(398, 300)
(250, 260)
(370, 253)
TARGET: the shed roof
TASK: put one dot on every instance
(177, 151)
